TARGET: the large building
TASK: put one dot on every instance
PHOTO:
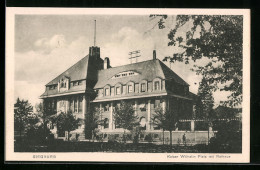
(92, 82)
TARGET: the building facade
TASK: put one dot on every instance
(93, 83)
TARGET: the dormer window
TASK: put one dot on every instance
(63, 84)
(156, 85)
(130, 88)
(52, 87)
(77, 83)
(125, 74)
(143, 87)
(107, 92)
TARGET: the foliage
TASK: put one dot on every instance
(165, 119)
(149, 138)
(136, 132)
(23, 115)
(220, 41)
(205, 103)
(94, 119)
(228, 139)
(38, 134)
(124, 116)
(67, 122)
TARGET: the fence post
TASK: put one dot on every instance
(192, 125)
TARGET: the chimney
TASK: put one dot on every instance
(94, 52)
(107, 63)
(154, 54)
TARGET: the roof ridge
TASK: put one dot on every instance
(161, 63)
(129, 64)
(68, 69)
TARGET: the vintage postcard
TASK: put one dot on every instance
(127, 85)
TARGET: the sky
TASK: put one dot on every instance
(47, 45)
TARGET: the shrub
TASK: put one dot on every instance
(227, 140)
(149, 138)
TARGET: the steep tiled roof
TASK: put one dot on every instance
(148, 70)
(76, 72)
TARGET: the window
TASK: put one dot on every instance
(63, 83)
(156, 85)
(80, 104)
(71, 105)
(106, 123)
(75, 105)
(118, 90)
(143, 87)
(130, 88)
(77, 83)
(107, 92)
(125, 74)
(157, 103)
(52, 87)
(106, 107)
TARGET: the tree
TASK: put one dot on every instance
(159, 120)
(96, 120)
(124, 116)
(45, 116)
(228, 139)
(67, 122)
(22, 115)
(165, 119)
(204, 106)
(220, 41)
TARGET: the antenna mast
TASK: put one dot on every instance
(95, 33)
(136, 55)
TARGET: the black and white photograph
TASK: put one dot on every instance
(119, 85)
